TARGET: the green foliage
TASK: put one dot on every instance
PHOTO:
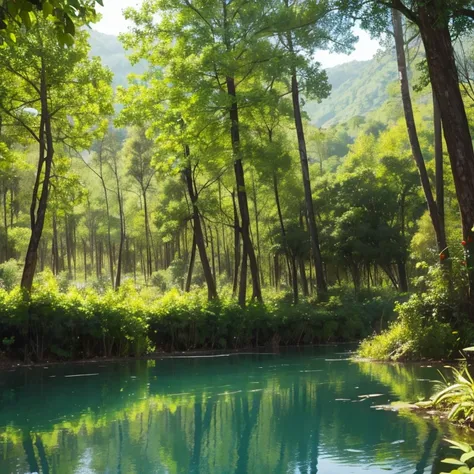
(431, 324)
(457, 396)
(81, 323)
(357, 89)
(464, 464)
(65, 14)
(9, 274)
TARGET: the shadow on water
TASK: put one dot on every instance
(294, 412)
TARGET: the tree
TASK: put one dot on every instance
(47, 93)
(173, 151)
(221, 50)
(437, 22)
(138, 151)
(302, 28)
(414, 141)
(65, 14)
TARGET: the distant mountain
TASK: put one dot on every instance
(358, 87)
(110, 49)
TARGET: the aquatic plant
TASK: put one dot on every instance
(458, 397)
(465, 463)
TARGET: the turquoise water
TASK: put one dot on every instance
(294, 412)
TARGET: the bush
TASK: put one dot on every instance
(457, 397)
(82, 322)
(433, 324)
(9, 274)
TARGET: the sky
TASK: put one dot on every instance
(113, 23)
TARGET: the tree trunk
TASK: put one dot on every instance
(413, 136)
(67, 225)
(5, 221)
(198, 233)
(304, 280)
(236, 246)
(402, 276)
(257, 230)
(107, 210)
(55, 247)
(243, 276)
(282, 224)
(301, 262)
(84, 248)
(149, 267)
(445, 83)
(218, 242)
(213, 255)
(192, 259)
(313, 230)
(242, 195)
(294, 279)
(74, 247)
(438, 139)
(118, 277)
(37, 215)
(276, 266)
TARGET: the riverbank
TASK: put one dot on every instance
(83, 324)
(9, 364)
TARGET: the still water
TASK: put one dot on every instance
(294, 412)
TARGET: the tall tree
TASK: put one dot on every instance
(438, 21)
(413, 137)
(138, 152)
(302, 28)
(47, 91)
(220, 50)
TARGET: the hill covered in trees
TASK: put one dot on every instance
(358, 87)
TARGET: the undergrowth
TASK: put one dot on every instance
(82, 322)
(433, 323)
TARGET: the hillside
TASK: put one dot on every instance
(113, 55)
(358, 87)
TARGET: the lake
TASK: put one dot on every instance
(298, 411)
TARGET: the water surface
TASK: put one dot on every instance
(305, 411)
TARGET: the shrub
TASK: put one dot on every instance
(83, 322)
(432, 324)
(160, 279)
(457, 397)
(9, 274)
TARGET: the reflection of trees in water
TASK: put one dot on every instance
(403, 380)
(285, 421)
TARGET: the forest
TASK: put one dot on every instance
(200, 206)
